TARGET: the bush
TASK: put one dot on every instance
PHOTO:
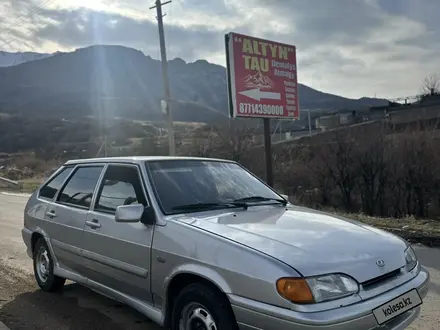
(378, 174)
(367, 169)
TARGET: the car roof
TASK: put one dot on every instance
(139, 159)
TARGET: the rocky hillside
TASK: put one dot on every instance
(11, 59)
(126, 83)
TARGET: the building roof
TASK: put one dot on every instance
(138, 159)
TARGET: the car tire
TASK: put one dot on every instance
(200, 304)
(43, 268)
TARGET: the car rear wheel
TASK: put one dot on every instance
(200, 307)
(43, 268)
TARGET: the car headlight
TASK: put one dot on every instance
(317, 289)
(410, 258)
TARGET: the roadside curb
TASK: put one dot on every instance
(3, 326)
(414, 237)
(7, 193)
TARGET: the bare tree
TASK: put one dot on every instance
(203, 142)
(339, 157)
(323, 179)
(373, 174)
(431, 85)
(235, 139)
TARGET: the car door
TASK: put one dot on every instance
(118, 254)
(68, 214)
(45, 198)
(46, 195)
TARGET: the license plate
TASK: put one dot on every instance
(397, 306)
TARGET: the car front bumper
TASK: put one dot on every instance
(252, 315)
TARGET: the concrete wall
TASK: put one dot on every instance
(347, 118)
(328, 122)
(413, 115)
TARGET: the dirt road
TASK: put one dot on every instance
(24, 307)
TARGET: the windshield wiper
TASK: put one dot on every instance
(256, 199)
(207, 206)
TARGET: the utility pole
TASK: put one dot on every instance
(166, 83)
(310, 124)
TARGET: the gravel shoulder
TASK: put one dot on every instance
(23, 306)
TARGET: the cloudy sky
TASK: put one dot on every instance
(354, 48)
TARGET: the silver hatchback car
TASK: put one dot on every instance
(197, 243)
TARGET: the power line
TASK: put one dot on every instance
(29, 15)
(12, 40)
(19, 21)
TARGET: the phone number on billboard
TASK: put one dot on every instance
(249, 108)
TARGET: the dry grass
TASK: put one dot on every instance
(30, 185)
(409, 224)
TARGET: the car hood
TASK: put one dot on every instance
(312, 242)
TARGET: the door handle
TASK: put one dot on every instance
(51, 214)
(93, 224)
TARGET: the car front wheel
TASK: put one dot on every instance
(43, 268)
(200, 307)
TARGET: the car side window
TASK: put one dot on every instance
(50, 189)
(121, 185)
(79, 189)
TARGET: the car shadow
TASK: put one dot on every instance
(76, 307)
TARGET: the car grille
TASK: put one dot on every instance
(378, 280)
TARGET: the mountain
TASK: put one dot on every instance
(126, 83)
(11, 59)
(310, 98)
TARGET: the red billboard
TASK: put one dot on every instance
(262, 78)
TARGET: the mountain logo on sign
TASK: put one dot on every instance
(258, 80)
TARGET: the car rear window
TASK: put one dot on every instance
(50, 189)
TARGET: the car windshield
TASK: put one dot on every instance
(180, 184)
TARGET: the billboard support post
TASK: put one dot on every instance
(262, 83)
(268, 151)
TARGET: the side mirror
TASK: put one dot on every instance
(129, 213)
(135, 213)
(149, 216)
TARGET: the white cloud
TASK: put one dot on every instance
(349, 47)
